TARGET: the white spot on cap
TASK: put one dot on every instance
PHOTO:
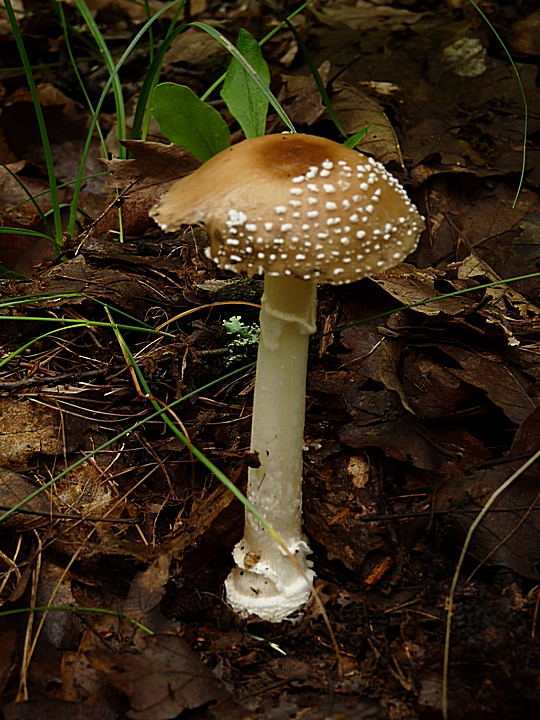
(268, 226)
(298, 179)
(295, 203)
(236, 217)
(306, 226)
(286, 227)
(312, 214)
(328, 188)
(331, 206)
(300, 256)
(312, 200)
(345, 241)
(369, 209)
(280, 209)
(232, 241)
(346, 204)
(313, 187)
(325, 173)
(251, 227)
(338, 271)
(361, 234)
(296, 191)
(327, 164)
(396, 256)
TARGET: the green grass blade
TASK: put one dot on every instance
(82, 7)
(58, 236)
(60, 10)
(113, 74)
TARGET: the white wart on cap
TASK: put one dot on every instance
(296, 205)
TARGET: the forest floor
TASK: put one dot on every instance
(415, 416)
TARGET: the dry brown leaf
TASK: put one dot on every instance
(165, 678)
(402, 439)
(146, 592)
(145, 179)
(505, 385)
(356, 109)
(363, 16)
(61, 628)
(300, 97)
(410, 285)
(13, 489)
(27, 428)
(195, 47)
(509, 534)
(389, 368)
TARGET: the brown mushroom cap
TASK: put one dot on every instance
(296, 205)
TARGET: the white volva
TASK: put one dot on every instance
(266, 582)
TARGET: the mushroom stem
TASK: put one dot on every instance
(265, 582)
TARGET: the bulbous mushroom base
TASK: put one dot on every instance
(258, 591)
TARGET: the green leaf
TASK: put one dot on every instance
(243, 98)
(189, 122)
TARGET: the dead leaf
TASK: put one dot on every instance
(524, 35)
(165, 678)
(52, 709)
(61, 628)
(356, 109)
(509, 534)
(402, 439)
(505, 386)
(146, 591)
(196, 47)
(145, 179)
(363, 16)
(410, 285)
(27, 428)
(300, 97)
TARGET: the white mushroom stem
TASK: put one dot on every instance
(266, 582)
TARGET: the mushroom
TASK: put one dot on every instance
(302, 210)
